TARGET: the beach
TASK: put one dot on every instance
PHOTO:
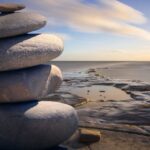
(113, 97)
(115, 69)
(74, 75)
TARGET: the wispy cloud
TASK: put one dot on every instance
(65, 37)
(105, 16)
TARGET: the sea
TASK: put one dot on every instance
(113, 69)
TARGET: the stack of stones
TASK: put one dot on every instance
(25, 122)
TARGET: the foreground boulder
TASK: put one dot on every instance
(33, 125)
(29, 84)
(28, 50)
(20, 23)
(10, 7)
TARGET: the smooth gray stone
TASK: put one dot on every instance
(28, 84)
(28, 50)
(10, 7)
(20, 23)
(35, 125)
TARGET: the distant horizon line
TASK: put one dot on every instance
(104, 60)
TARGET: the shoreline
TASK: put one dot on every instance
(122, 116)
(114, 70)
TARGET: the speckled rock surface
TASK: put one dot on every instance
(10, 7)
(29, 84)
(36, 125)
(28, 50)
(19, 23)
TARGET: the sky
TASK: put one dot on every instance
(97, 30)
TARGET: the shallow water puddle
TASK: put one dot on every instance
(100, 93)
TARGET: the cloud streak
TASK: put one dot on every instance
(106, 16)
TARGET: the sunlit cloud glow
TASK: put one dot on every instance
(110, 16)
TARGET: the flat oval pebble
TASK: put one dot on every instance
(28, 50)
(35, 125)
(29, 84)
(20, 23)
(10, 7)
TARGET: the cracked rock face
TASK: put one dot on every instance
(36, 125)
(28, 50)
(29, 84)
(20, 23)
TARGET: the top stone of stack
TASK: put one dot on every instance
(19, 23)
(14, 23)
(10, 7)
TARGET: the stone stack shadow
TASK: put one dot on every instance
(25, 121)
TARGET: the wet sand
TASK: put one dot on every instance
(119, 108)
(112, 140)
